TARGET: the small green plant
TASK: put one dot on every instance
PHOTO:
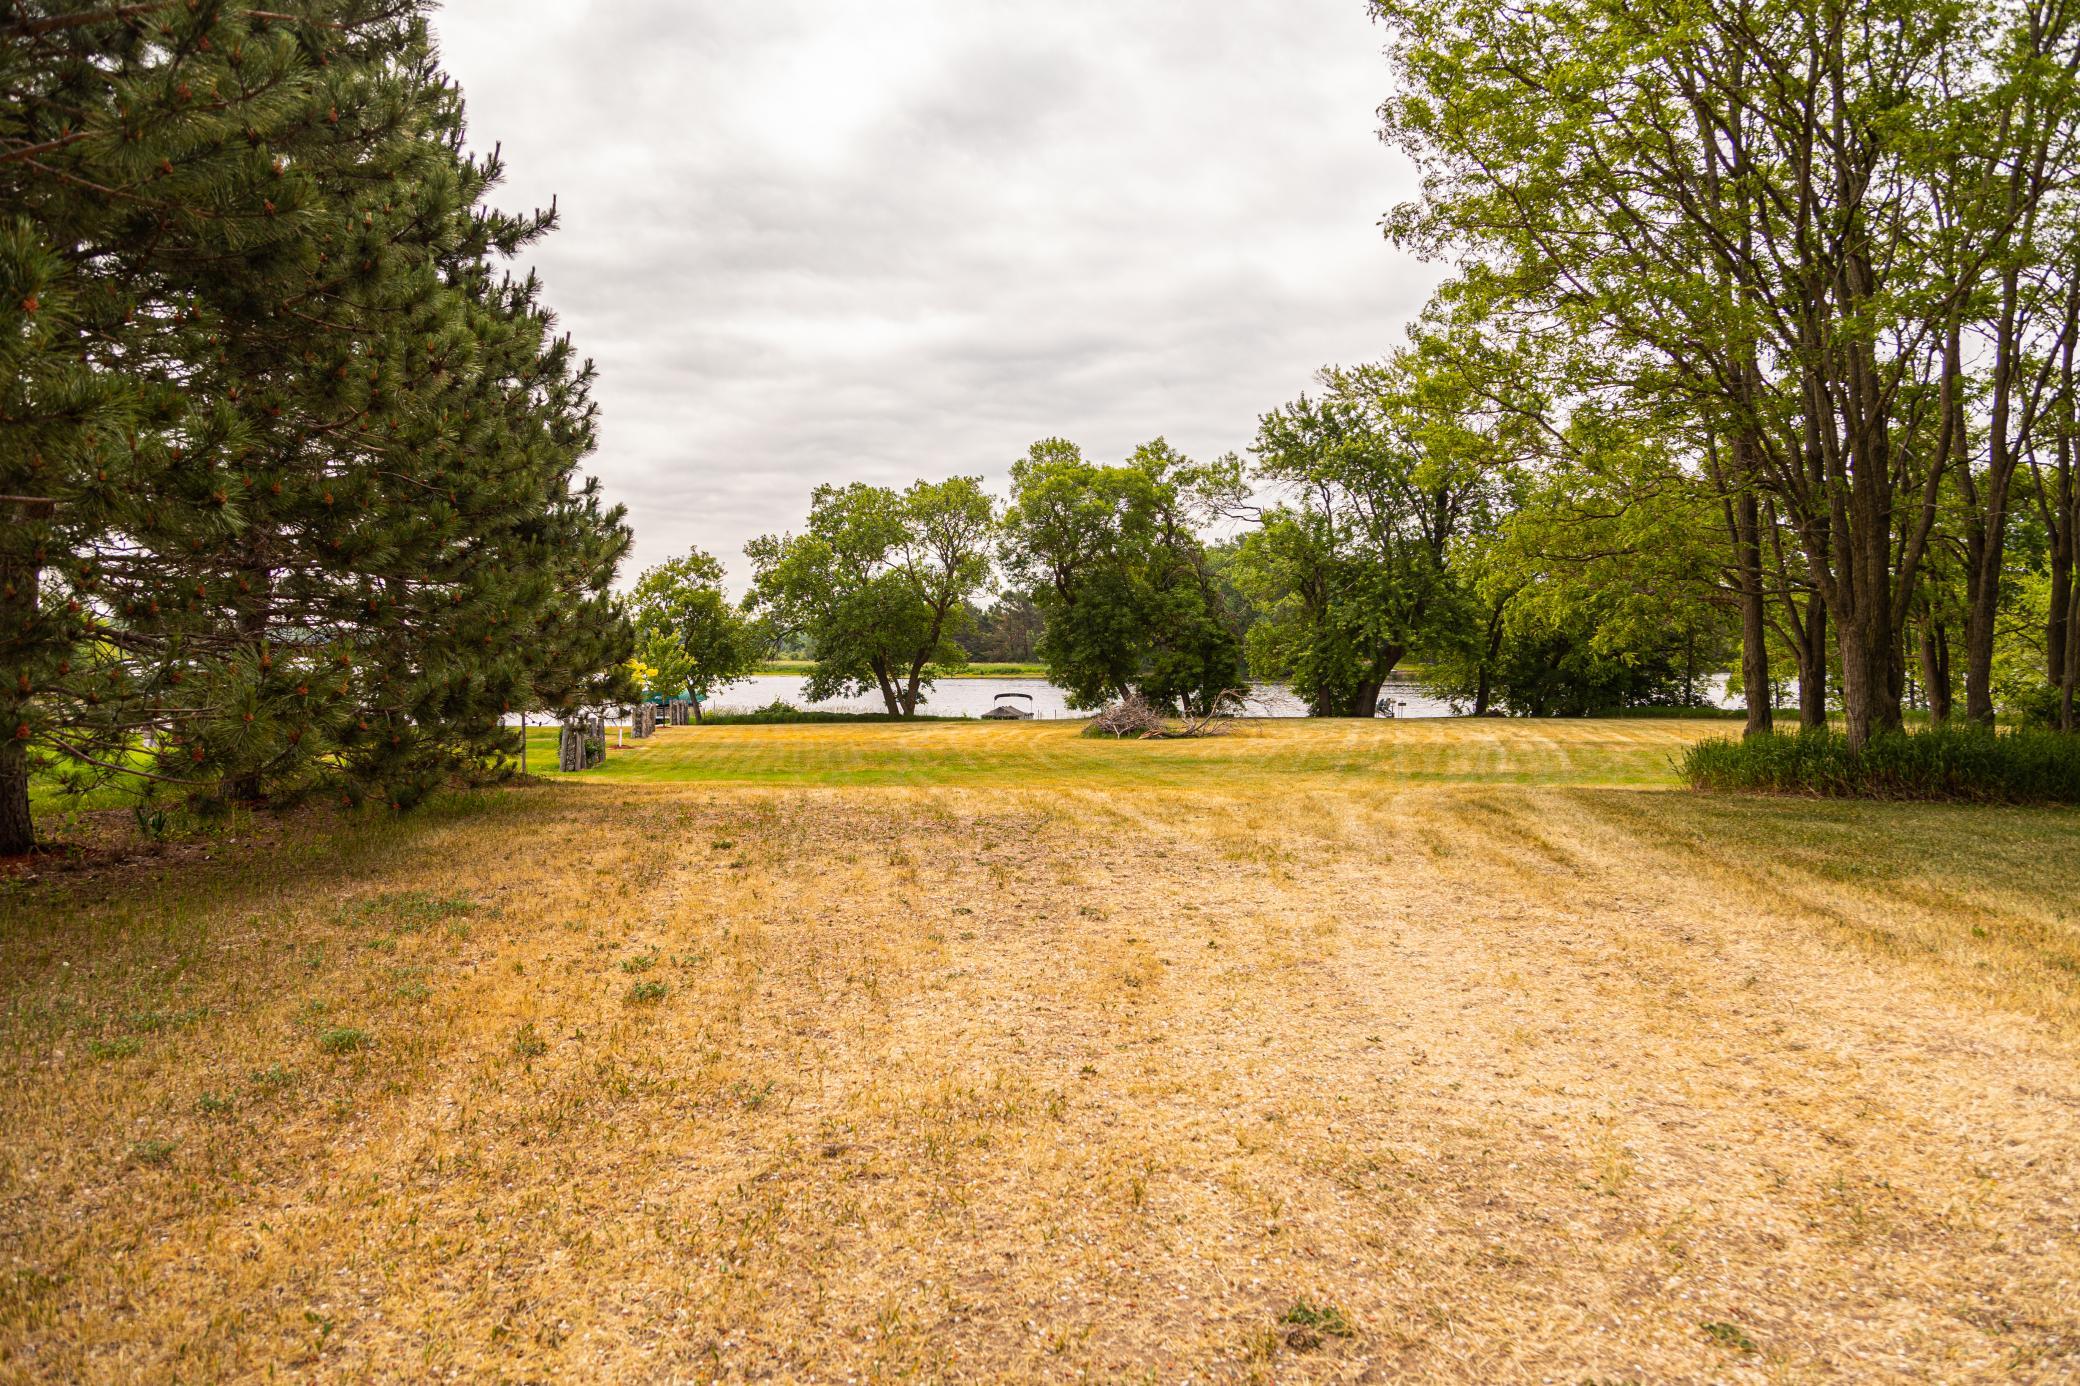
(273, 1078)
(1307, 1324)
(412, 910)
(151, 1152)
(748, 1097)
(641, 962)
(722, 844)
(211, 1105)
(643, 993)
(121, 1047)
(343, 1039)
(1729, 1335)
(528, 1044)
(152, 823)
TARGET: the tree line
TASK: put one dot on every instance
(288, 458)
(1390, 515)
(1810, 263)
(1759, 356)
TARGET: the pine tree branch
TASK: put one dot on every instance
(77, 754)
(37, 28)
(32, 150)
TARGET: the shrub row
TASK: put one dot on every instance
(2023, 766)
(786, 712)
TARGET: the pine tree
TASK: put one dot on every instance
(298, 462)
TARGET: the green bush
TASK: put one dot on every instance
(2036, 706)
(1975, 764)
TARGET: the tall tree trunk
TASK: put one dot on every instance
(19, 580)
(1812, 667)
(1986, 513)
(2060, 614)
(1365, 697)
(2061, 513)
(2070, 677)
(1484, 681)
(1935, 669)
(889, 696)
(251, 624)
(1870, 696)
(17, 825)
(1755, 686)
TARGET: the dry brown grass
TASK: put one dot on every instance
(1036, 1081)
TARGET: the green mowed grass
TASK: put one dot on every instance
(1267, 754)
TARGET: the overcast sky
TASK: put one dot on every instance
(809, 241)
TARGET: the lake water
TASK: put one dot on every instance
(972, 697)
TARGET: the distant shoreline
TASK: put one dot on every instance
(971, 671)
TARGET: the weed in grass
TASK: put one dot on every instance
(121, 1047)
(273, 1078)
(643, 993)
(151, 1152)
(722, 844)
(751, 1098)
(343, 1039)
(211, 1105)
(1307, 1324)
(528, 1044)
(641, 962)
(1729, 1335)
(413, 991)
(412, 910)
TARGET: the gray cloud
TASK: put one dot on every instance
(809, 242)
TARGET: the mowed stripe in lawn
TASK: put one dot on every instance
(1271, 754)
